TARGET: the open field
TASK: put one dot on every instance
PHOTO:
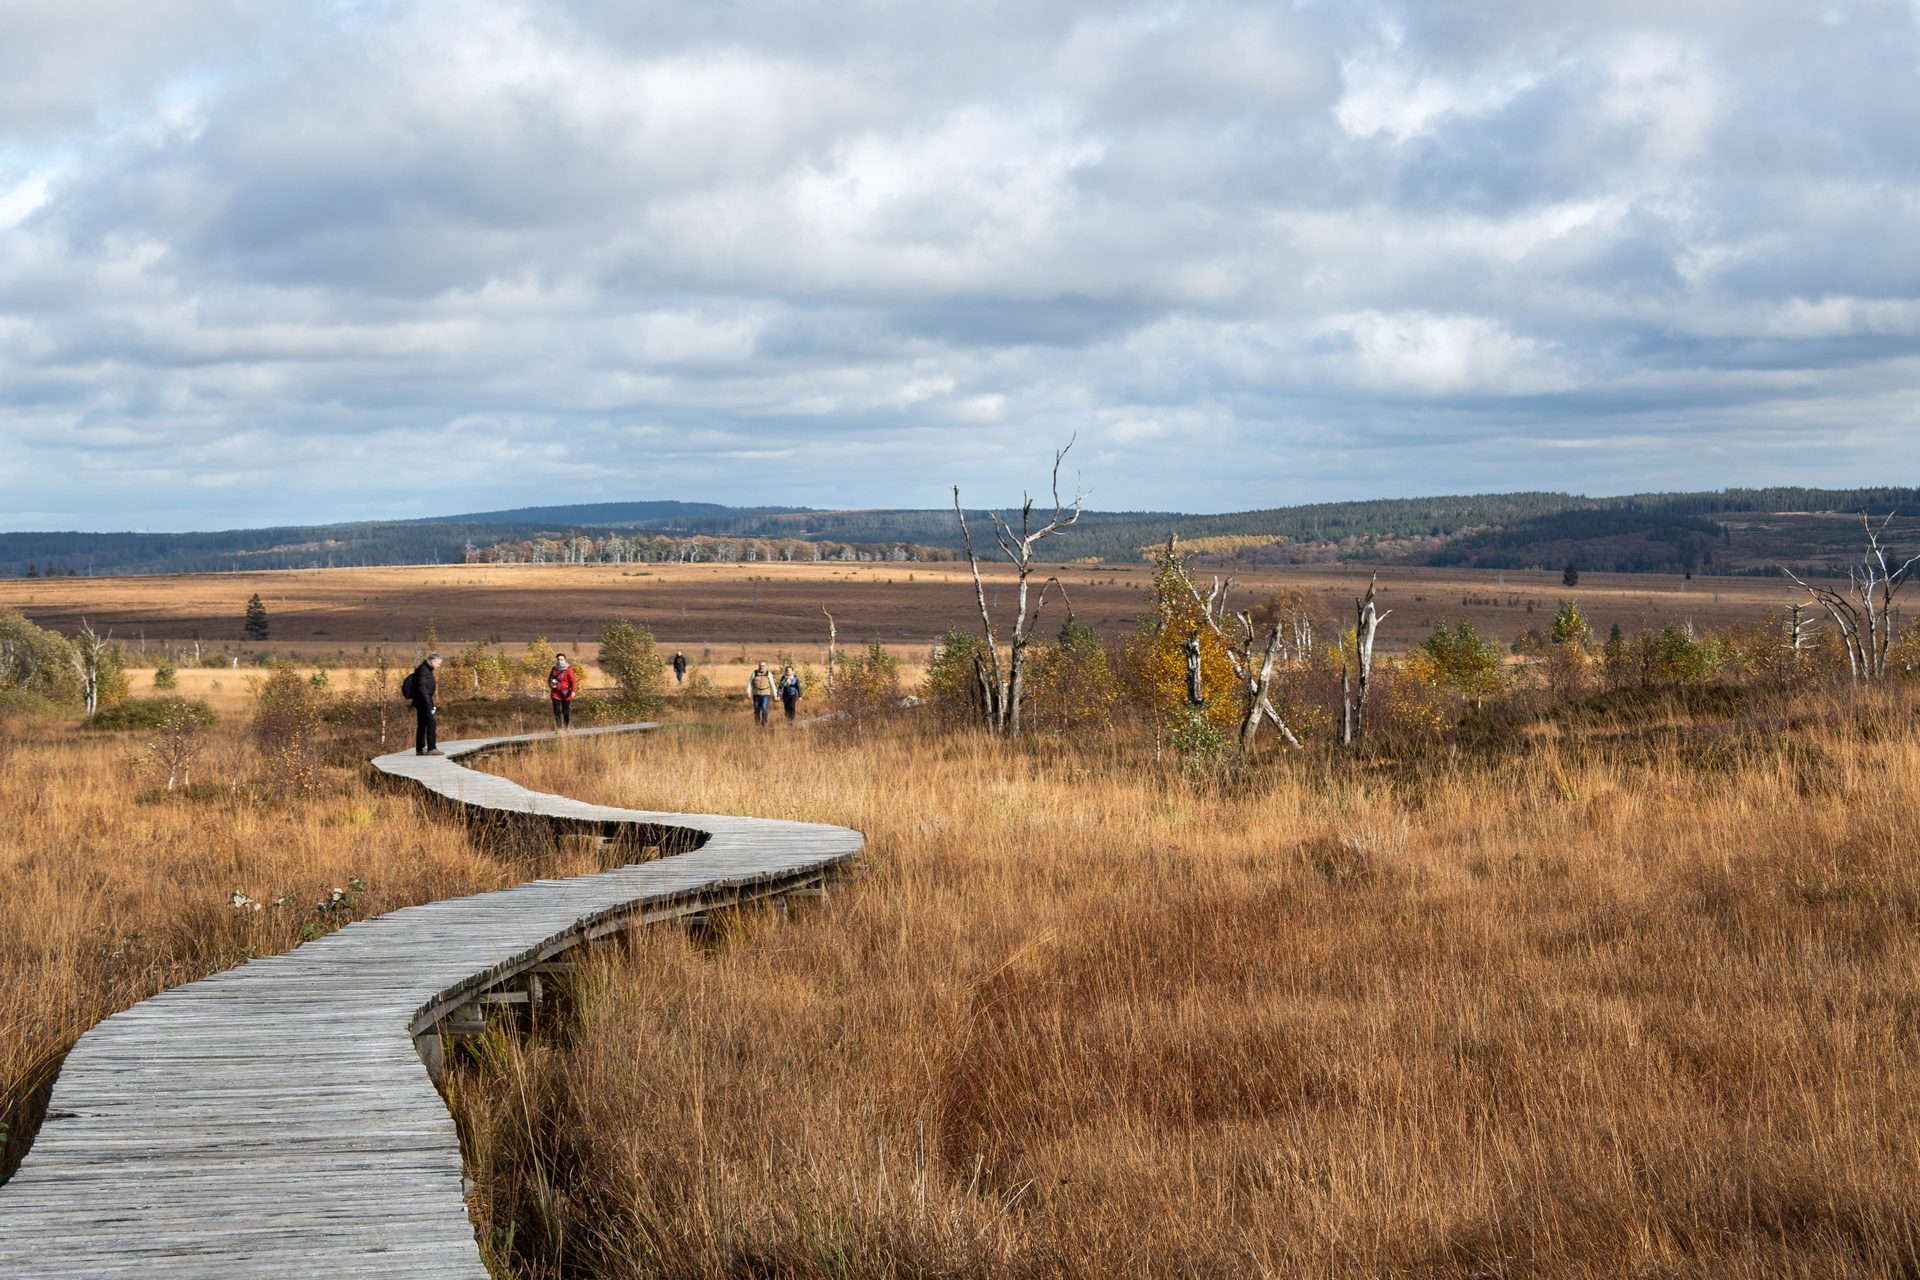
(344, 614)
(1627, 995)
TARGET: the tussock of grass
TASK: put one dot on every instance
(1565, 1004)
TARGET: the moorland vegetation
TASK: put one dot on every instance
(1590, 955)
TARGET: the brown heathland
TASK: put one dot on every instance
(1633, 999)
(1617, 983)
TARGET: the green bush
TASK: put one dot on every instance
(36, 660)
(16, 702)
(867, 686)
(1071, 686)
(149, 713)
(953, 687)
(166, 676)
(627, 655)
(1464, 662)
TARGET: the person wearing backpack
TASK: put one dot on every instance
(789, 691)
(679, 667)
(422, 689)
(760, 689)
(561, 685)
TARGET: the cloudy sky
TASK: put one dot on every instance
(279, 262)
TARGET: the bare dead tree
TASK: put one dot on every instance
(1865, 611)
(1196, 695)
(1353, 701)
(1004, 698)
(1255, 676)
(1799, 628)
(987, 669)
(833, 637)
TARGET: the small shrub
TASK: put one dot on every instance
(1203, 749)
(953, 688)
(867, 686)
(166, 676)
(627, 655)
(1072, 688)
(286, 728)
(17, 702)
(1464, 662)
(177, 741)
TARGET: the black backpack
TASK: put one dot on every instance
(409, 690)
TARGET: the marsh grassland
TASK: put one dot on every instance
(1589, 958)
(1628, 990)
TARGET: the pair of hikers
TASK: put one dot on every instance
(422, 689)
(763, 688)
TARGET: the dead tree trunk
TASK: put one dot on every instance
(1353, 688)
(1798, 628)
(1196, 696)
(1865, 611)
(1019, 550)
(1255, 680)
(833, 636)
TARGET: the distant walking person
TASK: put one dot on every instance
(422, 690)
(561, 684)
(760, 689)
(679, 667)
(789, 691)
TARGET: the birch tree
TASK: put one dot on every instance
(89, 659)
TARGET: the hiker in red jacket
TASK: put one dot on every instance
(561, 684)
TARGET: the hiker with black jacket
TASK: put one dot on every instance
(422, 690)
(790, 691)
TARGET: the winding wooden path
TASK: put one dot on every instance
(280, 1119)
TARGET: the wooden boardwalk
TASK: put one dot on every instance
(279, 1119)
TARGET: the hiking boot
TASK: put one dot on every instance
(435, 752)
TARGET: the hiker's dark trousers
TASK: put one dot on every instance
(426, 735)
(563, 713)
(791, 704)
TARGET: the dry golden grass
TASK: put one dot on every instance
(1630, 996)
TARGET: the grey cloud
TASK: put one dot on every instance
(1382, 248)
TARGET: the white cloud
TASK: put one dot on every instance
(254, 248)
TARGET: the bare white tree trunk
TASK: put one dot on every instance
(88, 649)
(1353, 693)
(1004, 714)
(1864, 612)
(993, 698)
(833, 636)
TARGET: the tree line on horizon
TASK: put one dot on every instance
(1657, 532)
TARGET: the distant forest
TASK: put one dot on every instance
(1730, 531)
